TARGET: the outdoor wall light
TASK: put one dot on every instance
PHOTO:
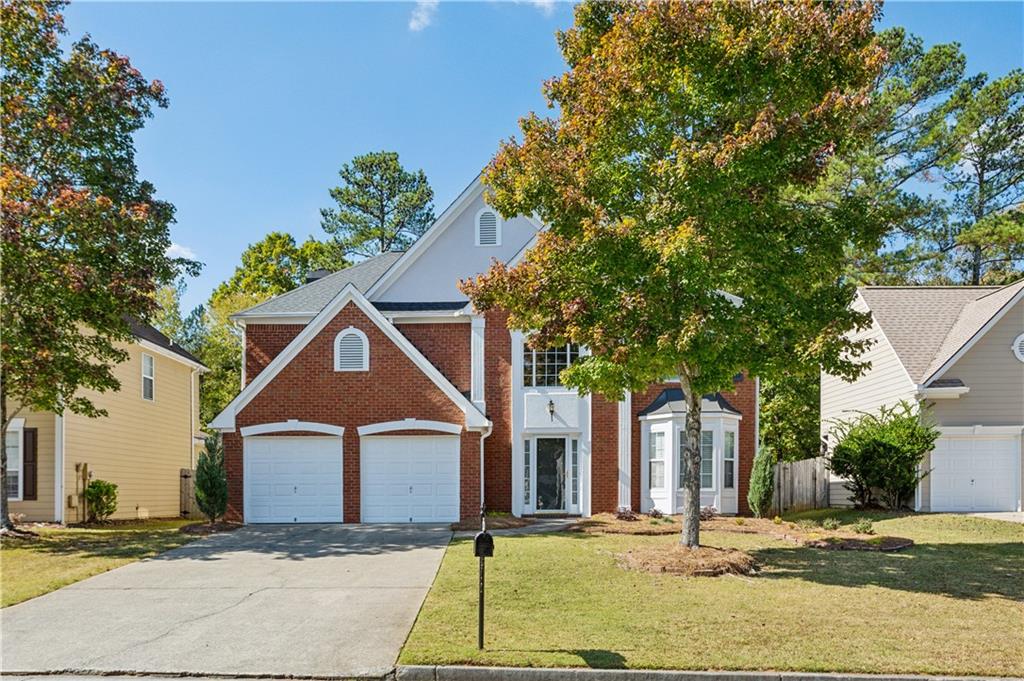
(551, 409)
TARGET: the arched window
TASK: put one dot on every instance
(351, 351)
(488, 228)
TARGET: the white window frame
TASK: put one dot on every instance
(714, 446)
(365, 366)
(532, 374)
(726, 461)
(653, 438)
(17, 426)
(151, 377)
(497, 227)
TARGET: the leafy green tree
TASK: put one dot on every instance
(985, 241)
(167, 317)
(275, 264)
(381, 206)
(211, 483)
(674, 182)
(790, 413)
(84, 238)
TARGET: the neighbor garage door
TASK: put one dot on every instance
(974, 473)
(292, 479)
(409, 479)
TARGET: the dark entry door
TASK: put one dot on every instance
(550, 474)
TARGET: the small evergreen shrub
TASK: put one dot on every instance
(211, 486)
(777, 520)
(830, 523)
(864, 526)
(739, 521)
(762, 483)
(101, 498)
(807, 524)
(882, 452)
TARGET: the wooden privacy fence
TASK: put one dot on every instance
(189, 508)
(800, 486)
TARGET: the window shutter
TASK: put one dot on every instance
(487, 229)
(30, 464)
(350, 353)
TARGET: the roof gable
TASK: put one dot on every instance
(929, 326)
(350, 295)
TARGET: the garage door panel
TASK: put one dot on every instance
(293, 480)
(974, 474)
(410, 479)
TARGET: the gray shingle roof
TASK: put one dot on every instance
(927, 325)
(144, 331)
(671, 401)
(314, 296)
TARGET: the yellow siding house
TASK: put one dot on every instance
(150, 433)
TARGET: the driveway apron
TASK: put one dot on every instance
(298, 600)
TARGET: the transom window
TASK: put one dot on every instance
(12, 441)
(656, 465)
(351, 350)
(148, 377)
(542, 367)
(729, 477)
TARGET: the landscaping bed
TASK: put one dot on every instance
(496, 521)
(205, 529)
(563, 600)
(704, 561)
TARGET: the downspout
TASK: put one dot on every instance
(192, 419)
(484, 434)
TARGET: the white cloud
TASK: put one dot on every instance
(423, 14)
(179, 251)
(545, 6)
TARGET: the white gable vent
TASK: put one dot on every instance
(351, 351)
(488, 228)
(1018, 347)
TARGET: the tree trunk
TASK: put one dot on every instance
(691, 464)
(976, 266)
(5, 515)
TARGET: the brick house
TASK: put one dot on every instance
(378, 394)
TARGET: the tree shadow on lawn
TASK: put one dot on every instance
(593, 658)
(968, 571)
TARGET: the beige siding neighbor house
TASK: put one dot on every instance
(150, 433)
(960, 350)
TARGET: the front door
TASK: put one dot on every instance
(550, 474)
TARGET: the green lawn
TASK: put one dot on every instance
(953, 604)
(62, 556)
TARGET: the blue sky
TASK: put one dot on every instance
(268, 99)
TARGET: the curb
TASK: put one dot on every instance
(469, 673)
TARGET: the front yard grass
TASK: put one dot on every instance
(61, 556)
(952, 604)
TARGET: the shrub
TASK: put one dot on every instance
(708, 513)
(777, 520)
(762, 483)
(863, 526)
(101, 499)
(830, 523)
(738, 521)
(807, 524)
(626, 513)
(655, 513)
(882, 452)
(211, 487)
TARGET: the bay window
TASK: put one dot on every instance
(656, 461)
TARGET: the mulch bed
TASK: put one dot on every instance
(204, 529)
(705, 561)
(607, 523)
(855, 544)
(495, 522)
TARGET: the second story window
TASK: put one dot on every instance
(148, 377)
(541, 367)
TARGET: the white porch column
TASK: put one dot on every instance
(625, 451)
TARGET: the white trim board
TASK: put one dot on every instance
(225, 421)
(292, 425)
(409, 424)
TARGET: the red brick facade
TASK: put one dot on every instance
(309, 389)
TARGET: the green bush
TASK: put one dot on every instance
(882, 452)
(211, 486)
(762, 483)
(101, 499)
(864, 526)
(830, 523)
(807, 524)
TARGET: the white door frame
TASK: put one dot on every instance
(573, 450)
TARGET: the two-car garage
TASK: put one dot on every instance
(300, 479)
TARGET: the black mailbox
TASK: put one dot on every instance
(483, 545)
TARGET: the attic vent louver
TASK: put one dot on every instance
(487, 229)
(1018, 347)
(351, 351)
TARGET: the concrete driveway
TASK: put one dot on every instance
(296, 600)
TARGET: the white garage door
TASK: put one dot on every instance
(409, 479)
(974, 473)
(292, 479)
